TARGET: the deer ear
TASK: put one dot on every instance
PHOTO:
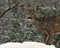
(24, 9)
(36, 8)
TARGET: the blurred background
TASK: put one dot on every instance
(14, 26)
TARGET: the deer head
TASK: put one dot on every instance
(30, 12)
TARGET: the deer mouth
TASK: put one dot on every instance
(29, 19)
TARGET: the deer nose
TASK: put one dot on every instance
(29, 17)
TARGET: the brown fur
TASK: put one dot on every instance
(48, 25)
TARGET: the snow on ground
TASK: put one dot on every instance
(25, 45)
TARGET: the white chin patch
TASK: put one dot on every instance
(29, 20)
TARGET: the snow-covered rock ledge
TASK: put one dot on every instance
(25, 45)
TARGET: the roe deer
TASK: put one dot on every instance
(48, 25)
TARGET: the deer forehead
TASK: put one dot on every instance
(30, 10)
